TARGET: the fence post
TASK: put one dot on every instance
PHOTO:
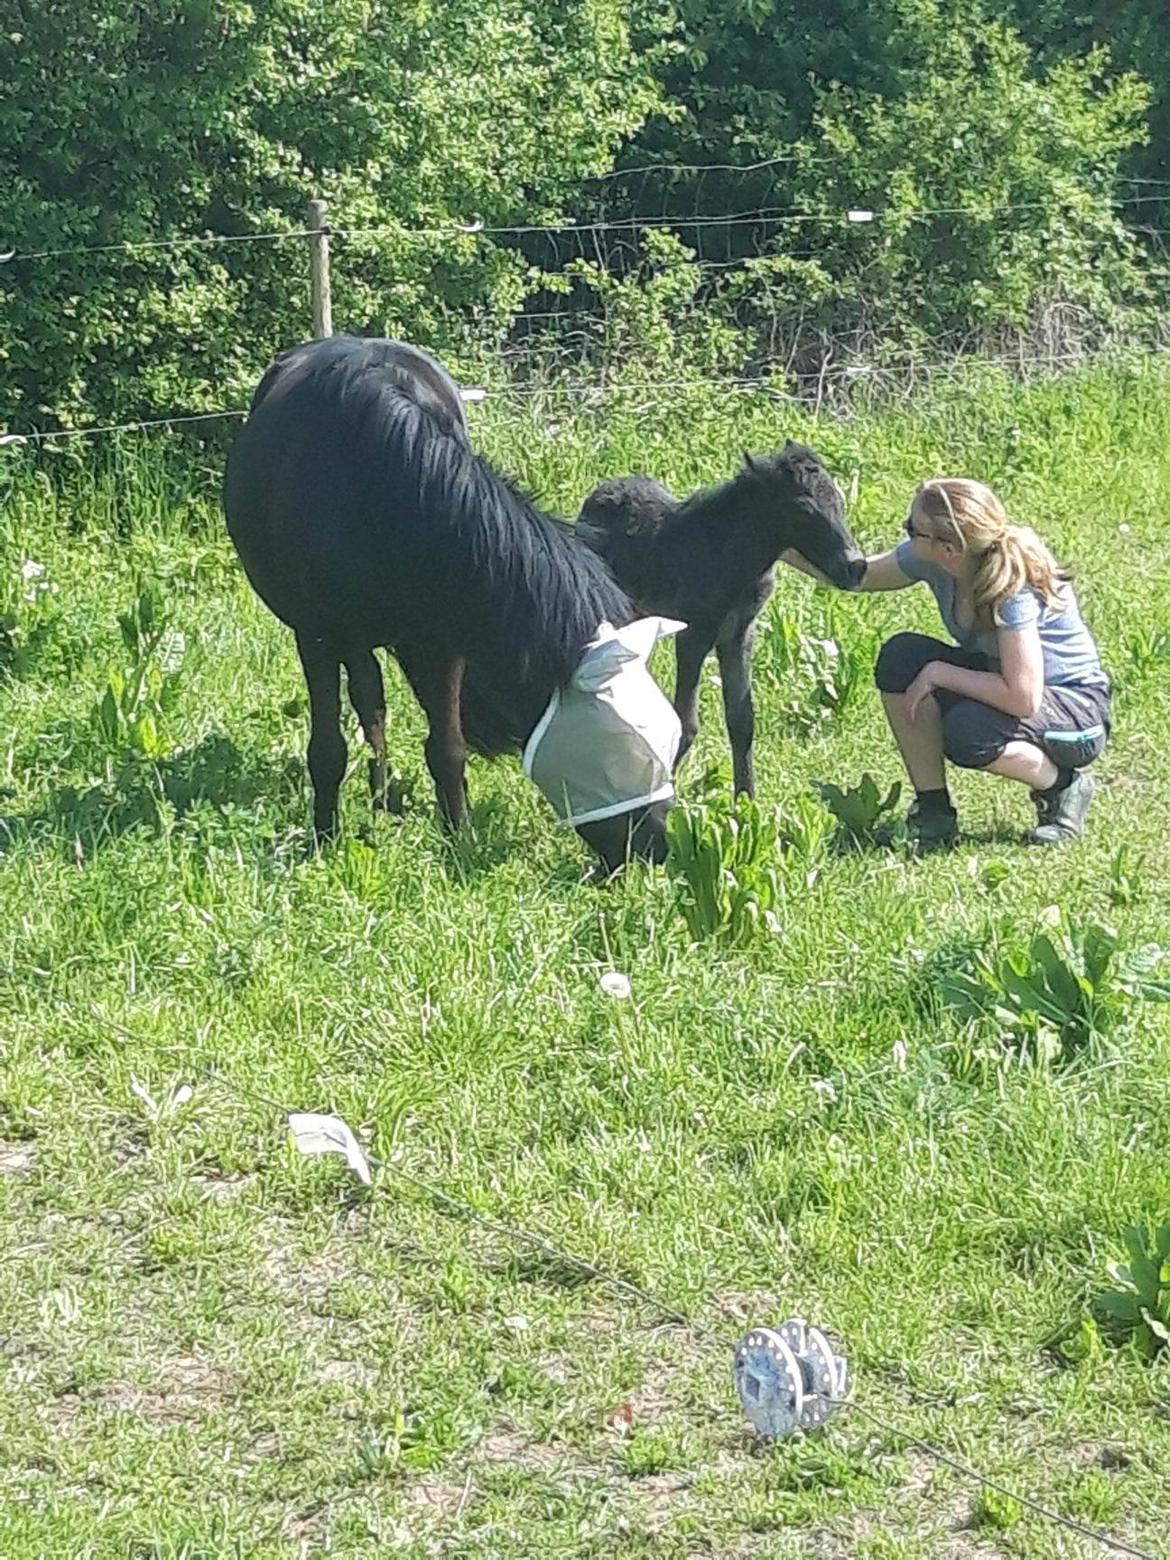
(319, 269)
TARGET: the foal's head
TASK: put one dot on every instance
(800, 498)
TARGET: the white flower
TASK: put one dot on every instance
(615, 984)
(31, 570)
(899, 1054)
(825, 1089)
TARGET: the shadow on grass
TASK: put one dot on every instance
(215, 773)
(844, 844)
(218, 774)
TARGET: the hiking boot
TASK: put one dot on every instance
(1061, 818)
(934, 829)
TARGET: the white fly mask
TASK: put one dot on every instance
(606, 744)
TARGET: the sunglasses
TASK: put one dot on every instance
(916, 536)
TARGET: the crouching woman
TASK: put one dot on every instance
(1021, 692)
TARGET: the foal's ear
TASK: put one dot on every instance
(749, 463)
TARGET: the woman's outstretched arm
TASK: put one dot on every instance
(884, 572)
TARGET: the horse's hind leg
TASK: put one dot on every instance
(327, 753)
(367, 694)
(735, 670)
(438, 683)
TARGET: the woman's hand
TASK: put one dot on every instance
(922, 687)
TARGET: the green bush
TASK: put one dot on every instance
(187, 117)
(994, 173)
(937, 116)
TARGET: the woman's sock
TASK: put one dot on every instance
(934, 804)
(1061, 783)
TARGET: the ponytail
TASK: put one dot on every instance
(1013, 561)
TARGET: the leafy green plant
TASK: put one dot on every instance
(804, 829)
(1149, 648)
(1125, 877)
(1138, 1309)
(817, 677)
(1070, 984)
(994, 1510)
(990, 874)
(129, 715)
(723, 861)
(860, 808)
(28, 615)
(649, 1451)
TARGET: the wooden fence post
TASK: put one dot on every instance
(319, 269)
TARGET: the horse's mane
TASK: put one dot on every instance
(522, 593)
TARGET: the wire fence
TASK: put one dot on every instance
(812, 391)
(571, 343)
(776, 215)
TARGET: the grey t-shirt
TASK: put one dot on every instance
(1070, 653)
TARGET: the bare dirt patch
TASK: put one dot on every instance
(16, 1158)
(290, 1272)
(187, 1390)
(514, 1449)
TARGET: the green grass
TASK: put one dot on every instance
(209, 1346)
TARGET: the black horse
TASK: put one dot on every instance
(363, 519)
(708, 560)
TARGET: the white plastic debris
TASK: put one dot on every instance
(176, 1098)
(788, 1378)
(140, 1092)
(859, 215)
(314, 1134)
(473, 393)
(615, 984)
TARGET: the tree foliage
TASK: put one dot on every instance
(993, 158)
(993, 180)
(221, 117)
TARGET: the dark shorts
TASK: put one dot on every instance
(1071, 725)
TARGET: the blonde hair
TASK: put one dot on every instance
(1007, 558)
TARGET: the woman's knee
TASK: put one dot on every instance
(900, 660)
(973, 735)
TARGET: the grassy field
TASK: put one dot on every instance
(209, 1346)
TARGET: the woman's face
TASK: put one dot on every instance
(928, 546)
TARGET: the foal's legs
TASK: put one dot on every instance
(327, 754)
(735, 669)
(690, 650)
(438, 684)
(368, 697)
